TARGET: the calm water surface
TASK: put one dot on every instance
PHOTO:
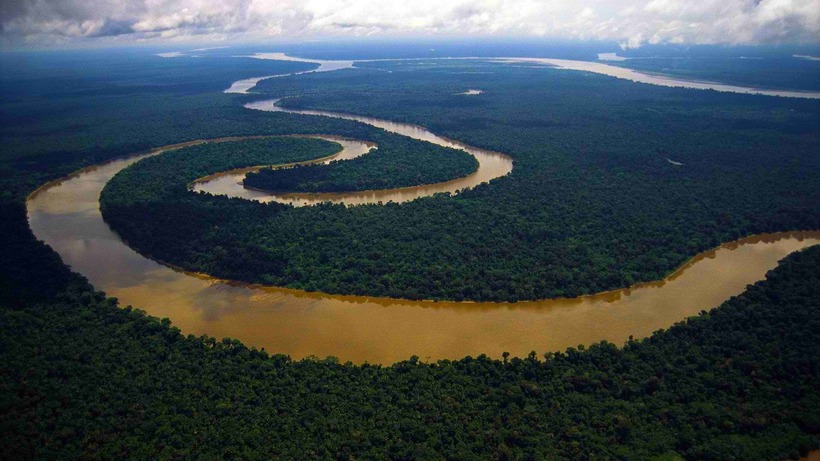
(65, 214)
(565, 64)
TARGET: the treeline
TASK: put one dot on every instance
(84, 378)
(151, 206)
(402, 163)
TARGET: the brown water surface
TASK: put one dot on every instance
(65, 214)
(491, 165)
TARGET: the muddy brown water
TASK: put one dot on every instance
(65, 215)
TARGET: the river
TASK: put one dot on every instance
(65, 215)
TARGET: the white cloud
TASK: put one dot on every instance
(630, 22)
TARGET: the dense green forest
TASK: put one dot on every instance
(595, 201)
(83, 378)
(402, 162)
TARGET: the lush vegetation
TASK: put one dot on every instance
(593, 203)
(402, 163)
(63, 111)
(211, 233)
(83, 378)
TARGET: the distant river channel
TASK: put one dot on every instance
(65, 215)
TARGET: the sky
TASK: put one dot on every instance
(631, 23)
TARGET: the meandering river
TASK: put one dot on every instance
(65, 215)
(230, 182)
(491, 165)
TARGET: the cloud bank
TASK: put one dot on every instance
(629, 22)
